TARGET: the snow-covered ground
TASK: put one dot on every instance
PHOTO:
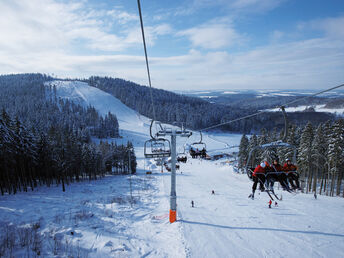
(228, 224)
(132, 125)
(95, 219)
(100, 219)
(317, 108)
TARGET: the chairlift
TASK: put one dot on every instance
(273, 145)
(249, 168)
(157, 148)
(198, 149)
(273, 176)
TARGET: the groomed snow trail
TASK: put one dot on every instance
(228, 224)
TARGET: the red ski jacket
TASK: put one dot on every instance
(258, 170)
(277, 168)
(288, 168)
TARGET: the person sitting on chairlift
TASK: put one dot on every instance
(279, 175)
(292, 175)
(258, 176)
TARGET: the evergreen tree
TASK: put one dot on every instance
(336, 156)
(305, 153)
(255, 158)
(318, 155)
(243, 151)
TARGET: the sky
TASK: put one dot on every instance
(191, 44)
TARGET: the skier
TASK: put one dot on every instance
(258, 176)
(292, 175)
(278, 176)
(203, 153)
(270, 202)
(192, 204)
(212, 192)
(276, 204)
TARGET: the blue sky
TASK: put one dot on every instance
(192, 44)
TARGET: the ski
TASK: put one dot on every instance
(273, 192)
(268, 192)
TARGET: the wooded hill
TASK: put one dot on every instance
(197, 113)
(44, 140)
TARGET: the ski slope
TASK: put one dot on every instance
(132, 125)
(228, 224)
(109, 220)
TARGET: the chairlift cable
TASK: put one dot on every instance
(315, 94)
(146, 56)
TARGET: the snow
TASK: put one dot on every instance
(274, 94)
(317, 108)
(100, 217)
(230, 92)
(207, 97)
(96, 218)
(85, 95)
(230, 224)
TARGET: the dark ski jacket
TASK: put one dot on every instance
(277, 168)
(288, 168)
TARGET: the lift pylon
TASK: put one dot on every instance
(173, 196)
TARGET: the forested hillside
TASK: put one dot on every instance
(44, 140)
(195, 112)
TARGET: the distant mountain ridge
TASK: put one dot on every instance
(267, 99)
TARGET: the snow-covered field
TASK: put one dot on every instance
(104, 218)
(95, 219)
(317, 108)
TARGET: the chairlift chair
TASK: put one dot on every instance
(200, 146)
(157, 148)
(278, 144)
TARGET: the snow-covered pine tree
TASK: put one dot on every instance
(253, 142)
(336, 156)
(268, 153)
(305, 153)
(318, 156)
(243, 152)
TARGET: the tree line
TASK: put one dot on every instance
(197, 113)
(320, 154)
(45, 140)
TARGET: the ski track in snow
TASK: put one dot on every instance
(226, 224)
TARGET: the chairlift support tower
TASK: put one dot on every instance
(173, 196)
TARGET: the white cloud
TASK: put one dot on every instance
(314, 63)
(121, 16)
(234, 6)
(255, 5)
(47, 39)
(277, 35)
(38, 25)
(332, 27)
(212, 35)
